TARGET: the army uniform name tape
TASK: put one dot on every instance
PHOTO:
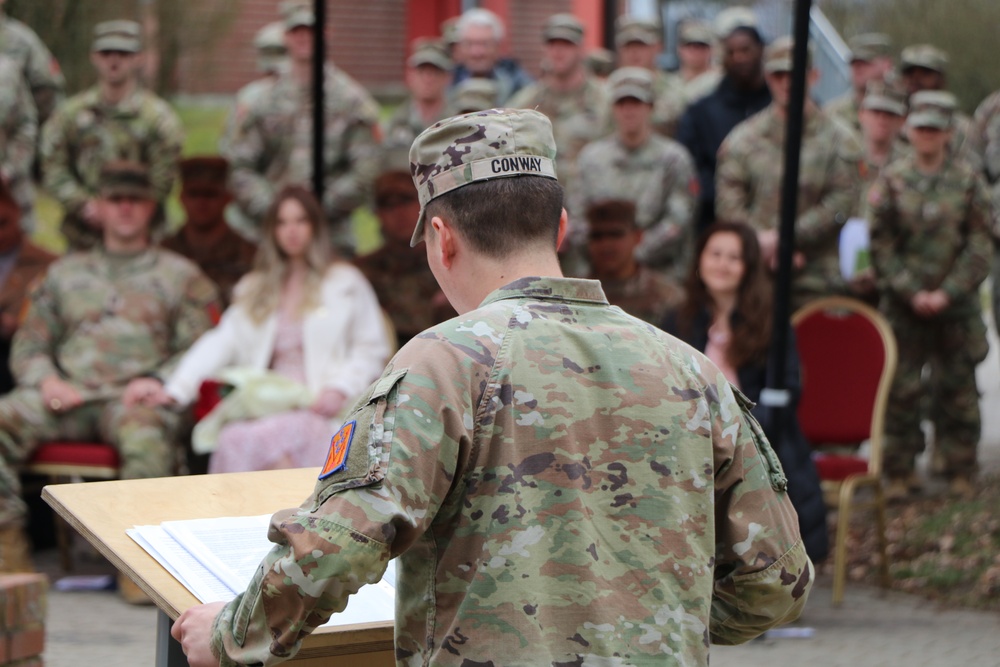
(487, 168)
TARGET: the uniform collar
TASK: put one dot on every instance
(549, 289)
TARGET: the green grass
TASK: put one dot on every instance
(203, 125)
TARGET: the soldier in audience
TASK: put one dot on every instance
(272, 143)
(963, 143)
(639, 42)
(749, 181)
(871, 60)
(36, 63)
(881, 115)
(102, 329)
(613, 238)
(116, 119)
(931, 248)
(428, 73)
(18, 138)
(653, 172)
(600, 63)
(474, 95)
(222, 254)
(698, 74)
(575, 102)
(986, 136)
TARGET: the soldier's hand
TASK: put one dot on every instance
(59, 395)
(329, 403)
(921, 304)
(937, 301)
(193, 629)
(144, 391)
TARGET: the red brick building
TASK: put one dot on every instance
(369, 38)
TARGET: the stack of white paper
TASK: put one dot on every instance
(215, 559)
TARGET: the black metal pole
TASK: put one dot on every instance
(610, 15)
(776, 395)
(319, 99)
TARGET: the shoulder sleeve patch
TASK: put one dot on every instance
(340, 445)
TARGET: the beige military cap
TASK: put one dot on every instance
(779, 54)
(297, 14)
(695, 32)
(600, 62)
(924, 55)
(481, 146)
(563, 26)
(430, 52)
(269, 43)
(631, 29)
(475, 94)
(881, 96)
(634, 82)
(869, 46)
(122, 36)
(123, 178)
(734, 18)
(934, 99)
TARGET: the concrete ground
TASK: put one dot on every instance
(871, 628)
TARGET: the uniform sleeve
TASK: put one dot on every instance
(58, 176)
(972, 264)
(196, 312)
(842, 189)
(893, 276)
(667, 239)
(399, 469)
(732, 183)
(164, 150)
(762, 573)
(252, 191)
(44, 78)
(33, 351)
(350, 188)
(22, 133)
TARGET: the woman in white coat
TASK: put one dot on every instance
(298, 315)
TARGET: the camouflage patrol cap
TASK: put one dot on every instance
(475, 94)
(634, 82)
(297, 14)
(882, 96)
(695, 32)
(393, 173)
(734, 18)
(124, 178)
(430, 52)
(600, 62)
(206, 171)
(449, 31)
(868, 46)
(924, 55)
(481, 146)
(630, 29)
(930, 117)
(270, 45)
(125, 36)
(565, 27)
(779, 55)
(934, 99)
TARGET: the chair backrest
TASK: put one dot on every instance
(848, 358)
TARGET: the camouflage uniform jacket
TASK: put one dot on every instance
(224, 261)
(406, 123)
(701, 85)
(845, 109)
(550, 497)
(748, 188)
(658, 177)
(405, 287)
(272, 147)
(931, 232)
(99, 320)
(986, 133)
(647, 294)
(84, 133)
(670, 102)
(18, 134)
(37, 64)
(578, 117)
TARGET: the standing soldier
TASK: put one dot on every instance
(428, 73)
(881, 116)
(639, 42)
(931, 249)
(115, 120)
(102, 329)
(653, 172)
(35, 62)
(986, 135)
(18, 139)
(749, 180)
(575, 102)
(697, 73)
(272, 144)
(963, 142)
(205, 238)
(870, 61)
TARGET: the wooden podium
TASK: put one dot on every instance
(102, 511)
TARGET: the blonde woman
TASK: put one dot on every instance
(299, 315)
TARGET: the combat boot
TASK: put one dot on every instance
(15, 551)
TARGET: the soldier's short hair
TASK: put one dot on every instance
(611, 210)
(480, 17)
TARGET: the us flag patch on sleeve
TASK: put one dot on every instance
(340, 446)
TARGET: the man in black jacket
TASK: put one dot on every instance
(741, 93)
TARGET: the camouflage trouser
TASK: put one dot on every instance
(144, 437)
(951, 346)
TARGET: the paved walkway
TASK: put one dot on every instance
(871, 629)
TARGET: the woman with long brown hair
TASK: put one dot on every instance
(298, 316)
(727, 315)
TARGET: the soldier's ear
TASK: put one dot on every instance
(445, 241)
(563, 229)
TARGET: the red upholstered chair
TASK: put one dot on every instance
(848, 359)
(63, 461)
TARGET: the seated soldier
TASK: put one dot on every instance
(21, 263)
(102, 328)
(403, 281)
(612, 237)
(205, 238)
